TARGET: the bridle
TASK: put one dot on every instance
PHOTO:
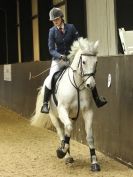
(81, 66)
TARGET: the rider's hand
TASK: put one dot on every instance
(64, 58)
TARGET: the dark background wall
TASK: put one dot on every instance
(124, 15)
(44, 25)
(112, 123)
(76, 13)
(26, 36)
(2, 38)
(8, 29)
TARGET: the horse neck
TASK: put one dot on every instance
(75, 61)
(76, 71)
(75, 77)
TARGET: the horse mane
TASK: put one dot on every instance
(82, 44)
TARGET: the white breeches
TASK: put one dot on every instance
(56, 65)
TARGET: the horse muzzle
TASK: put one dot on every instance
(90, 82)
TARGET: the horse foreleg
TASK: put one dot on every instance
(88, 117)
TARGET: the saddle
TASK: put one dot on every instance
(55, 83)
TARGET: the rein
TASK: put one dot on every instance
(78, 90)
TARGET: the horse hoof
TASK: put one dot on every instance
(69, 160)
(60, 153)
(95, 167)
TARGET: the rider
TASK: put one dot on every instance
(61, 37)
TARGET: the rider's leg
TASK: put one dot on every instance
(47, 94)
(100, 101)
(55, 66)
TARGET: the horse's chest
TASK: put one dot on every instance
(73, 104)
(80, 102)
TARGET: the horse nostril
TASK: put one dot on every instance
(88, 85)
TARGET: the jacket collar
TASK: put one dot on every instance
(62, 26)
(65, 28)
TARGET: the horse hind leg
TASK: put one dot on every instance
(68, 158)
(56, 123)
(63, 150)
(66, 155)
(60, 132)
(88, 116)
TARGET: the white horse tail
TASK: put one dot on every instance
(39, 119)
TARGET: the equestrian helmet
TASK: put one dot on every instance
(55, 13)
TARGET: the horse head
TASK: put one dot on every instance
(85, 60)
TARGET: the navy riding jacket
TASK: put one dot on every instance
(58, 43)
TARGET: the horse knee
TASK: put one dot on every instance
(69, 127)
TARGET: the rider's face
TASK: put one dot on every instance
(57, 21)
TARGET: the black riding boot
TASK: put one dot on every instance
(100, 101)
(45, 106)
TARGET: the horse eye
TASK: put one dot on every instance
(84, 62)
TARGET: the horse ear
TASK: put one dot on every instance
(96, 45)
